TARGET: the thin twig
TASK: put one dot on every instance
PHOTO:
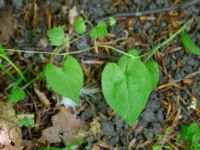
(154, 11)
(187, 76)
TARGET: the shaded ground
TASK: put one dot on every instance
(168, 105)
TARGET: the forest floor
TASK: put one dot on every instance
(169, 106)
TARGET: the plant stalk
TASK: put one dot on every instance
(156, 48)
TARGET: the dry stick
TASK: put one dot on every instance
(154, 11)
(186, 77)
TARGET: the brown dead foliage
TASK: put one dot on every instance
(65, 127)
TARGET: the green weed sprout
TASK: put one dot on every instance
(191, 135)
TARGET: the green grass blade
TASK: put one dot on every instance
(7, 72)
(14, 66)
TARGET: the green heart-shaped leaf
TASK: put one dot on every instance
(126, 87)
(153, 69)
(67, 80)
(99, 31)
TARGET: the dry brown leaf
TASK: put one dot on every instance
(64, 128)
(72, 15)
(10, 134)
(95, 127)
(99, 145)
(95, 146)
(42, 97)
(43, 42)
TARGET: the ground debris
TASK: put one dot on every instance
(6, 24)
(65, 127)
(10, 134)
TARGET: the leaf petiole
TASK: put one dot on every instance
(117, 50)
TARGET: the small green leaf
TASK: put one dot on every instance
(56, 36)
(126, 87)
(112, 21)
(153, 69)
(189, 44)
(26, 121)
(72, 144)
(67, 80)
(99, 31)
(16, 95)
(157, 147)
(79, 25)
(191, 135)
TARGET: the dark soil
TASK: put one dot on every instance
(168, 105)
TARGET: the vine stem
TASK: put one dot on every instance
(153, 51)
(117, 50)
(48, 53)
(68, 53)
(156, 48)
(14, 66)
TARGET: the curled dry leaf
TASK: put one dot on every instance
(65, 127)
(99, 145)
(95, 127)
(10, 134)
(42, 97)
(43, 42)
